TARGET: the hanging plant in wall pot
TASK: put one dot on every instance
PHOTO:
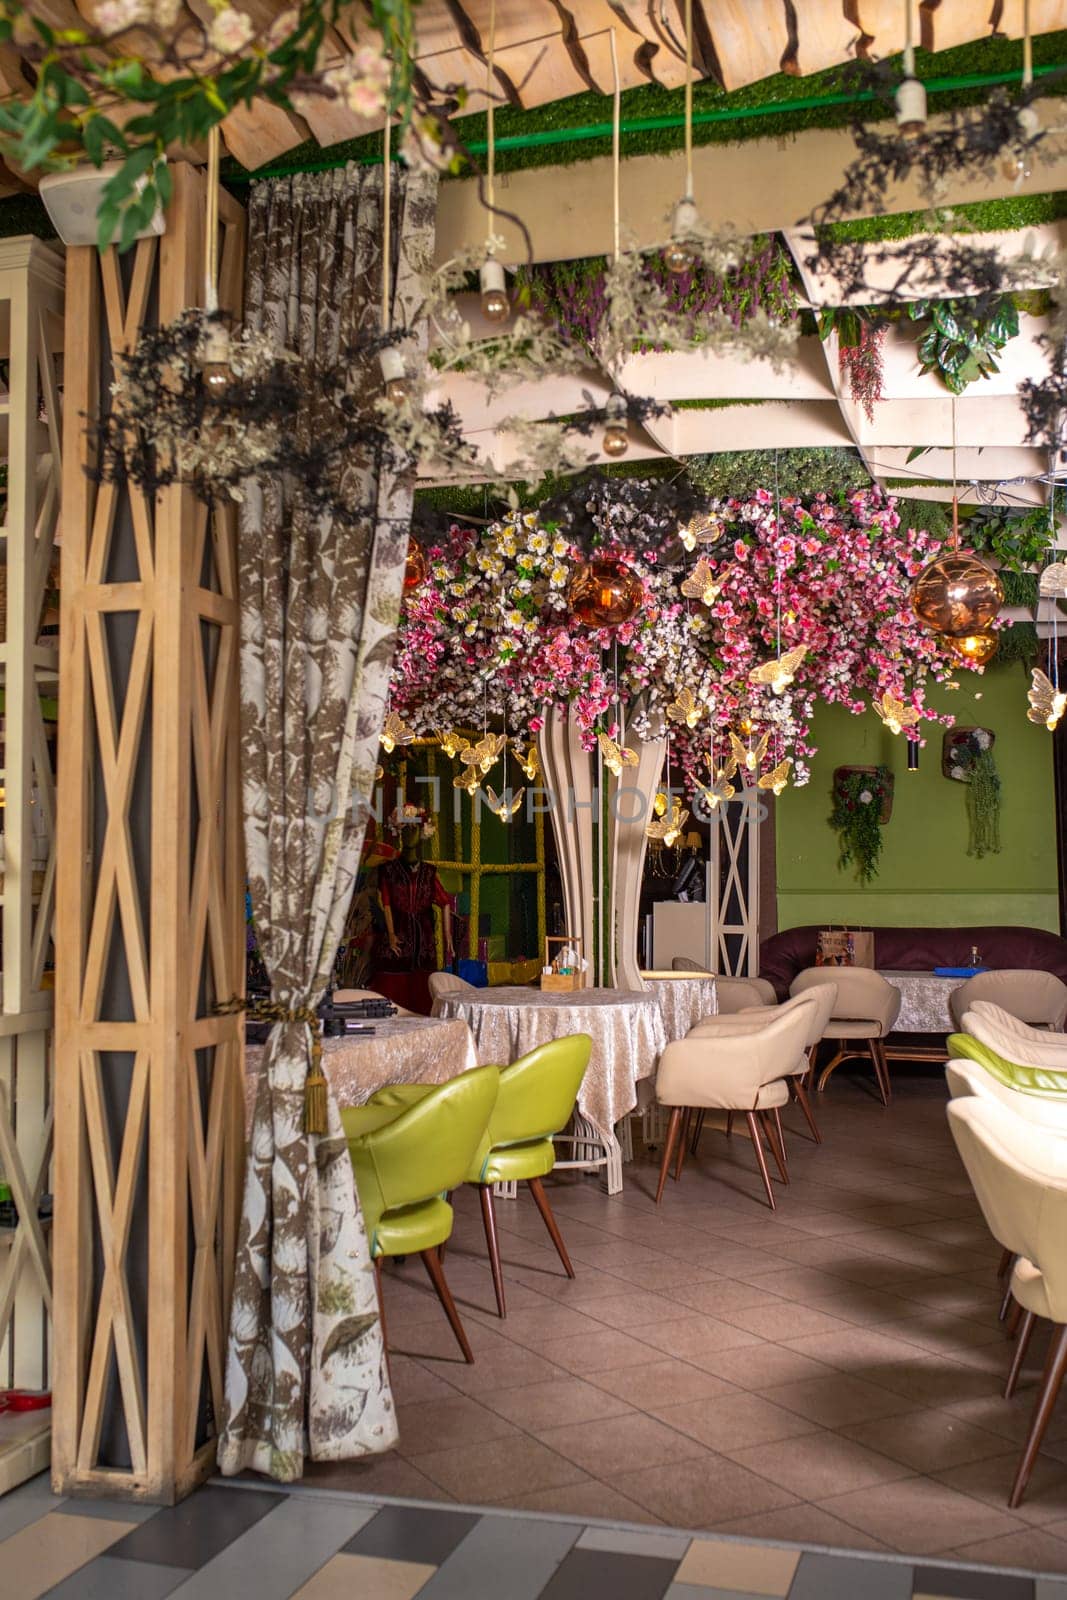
(862, 805)
(967, 757)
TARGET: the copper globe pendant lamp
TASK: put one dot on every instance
(604, 593)
(959, 595)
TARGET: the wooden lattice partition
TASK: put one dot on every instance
(150, 917)
(31, 344)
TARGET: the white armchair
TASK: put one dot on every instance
(1014, 1040)
(1019, 1175)
(734, 1063)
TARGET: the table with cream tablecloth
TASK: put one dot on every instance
(923, 1001)
(684, 1002)
(400, 1050)
(625, 1025)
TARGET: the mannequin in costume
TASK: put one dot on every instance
(410, 889)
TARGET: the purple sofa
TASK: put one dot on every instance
(920, 950)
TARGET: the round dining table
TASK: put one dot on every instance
(625, 1025)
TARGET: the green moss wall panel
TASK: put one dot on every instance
(926, 878)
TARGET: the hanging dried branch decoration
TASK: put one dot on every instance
(168, 424)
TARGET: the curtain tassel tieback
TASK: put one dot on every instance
(315, 1083)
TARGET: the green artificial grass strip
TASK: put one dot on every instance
(982, 216)
(777, 107)
(716, 405)
(1020, 588)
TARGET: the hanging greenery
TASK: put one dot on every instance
(960, 340)
(969, 760)
(860, 338)
(859, 798)
(1017, 539)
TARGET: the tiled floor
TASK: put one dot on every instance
(243, 1542)
(830, 1373)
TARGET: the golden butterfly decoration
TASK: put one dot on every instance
(1053, 581)
(779, 674)
(504, 808)
(669, 829)
(453, 742)
(469, 780)
(704, 585)
(704, 528)
(528, 760)
(894, 713)
(718, 791)
(396, 731)
(748, 759)
(727, 770)
(1047, 703)
(485, 753)
(616, 756)
(777, 779)
(379, 773)
(684, 708)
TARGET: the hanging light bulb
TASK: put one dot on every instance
(394, 375)
(1016, 164)
(616, 440)
(216, 373)
(680, 254)
(496, 307)
(911, 108)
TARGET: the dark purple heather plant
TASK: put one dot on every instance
(572, 293)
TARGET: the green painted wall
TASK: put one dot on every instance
(926, 878)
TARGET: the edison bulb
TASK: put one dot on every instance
(616, 441)
(394, 374)
(496, 307)
(679, 257)
(216, 377)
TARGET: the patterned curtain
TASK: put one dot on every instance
(306, 1372)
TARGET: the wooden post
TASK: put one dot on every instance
(31, 342)
(149, 1103)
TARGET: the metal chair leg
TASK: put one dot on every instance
(548, 1217)
(432, 1262)
(492, 1243)
(757, 1145)
(1022, 1344)
(1046, 1400)
(673, 1129)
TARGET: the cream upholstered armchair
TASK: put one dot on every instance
(1014, 1039)
(734, 1063)
(442, 983)
(1019, 1176)
(1037, 998)
(732, 994)
(864, 1011)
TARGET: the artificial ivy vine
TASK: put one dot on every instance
(859, 798)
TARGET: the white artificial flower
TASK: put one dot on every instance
(230, 30)
(982, 739)
(112, 16)
(865, 797)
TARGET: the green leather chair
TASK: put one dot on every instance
(536, 1099)
(406, 1159)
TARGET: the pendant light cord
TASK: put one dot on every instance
(211, 223)
(909, 48)
(689, 99)
(616, 131)
(1028, 48)
(387, 219)
(490, 122)
(955, 485)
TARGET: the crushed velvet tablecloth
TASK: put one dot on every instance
(684, 1002)
(400, 1050)
(923, 1001)
(625, 1025)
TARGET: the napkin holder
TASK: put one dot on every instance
(565, 969)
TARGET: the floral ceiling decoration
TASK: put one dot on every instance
(813, 606)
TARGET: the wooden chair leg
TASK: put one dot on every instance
(729, 1124)
(757, 1145)
(432, 1262)
(882, 1068)
(1046, 1400)
(776, 1116)
(492, 1244)
(673, 1129)
(1006, 1303)
(767, 1120)
(679, 1160)
(548, 1217)
(800, 1090)
(1021, 1346)
(1014, 1318)
(698, 1129)
(883, 1089)
(1007, 1261)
